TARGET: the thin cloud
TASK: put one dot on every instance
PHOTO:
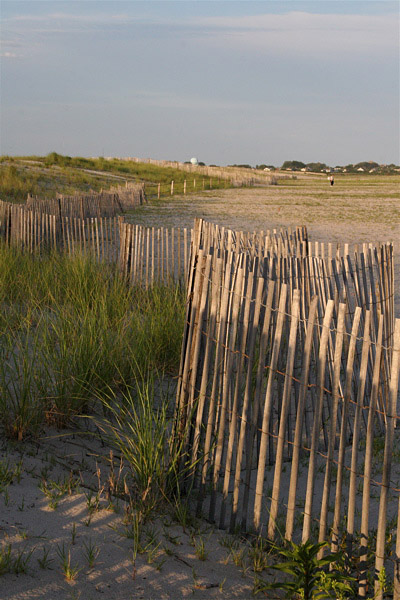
(305, 33)
(296, 32)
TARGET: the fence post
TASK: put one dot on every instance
(172, 187)
(159, 190)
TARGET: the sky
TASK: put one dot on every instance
(226, 82)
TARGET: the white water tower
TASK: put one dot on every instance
(194, 161)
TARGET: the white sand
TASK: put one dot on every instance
(28, 523)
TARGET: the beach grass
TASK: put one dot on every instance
(70, 326)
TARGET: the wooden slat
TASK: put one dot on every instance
(267, 409)
(294, 321)
(317, 420)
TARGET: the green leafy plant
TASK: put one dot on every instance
(56, 490)
(21, 561)
(71, 328)
(21, 398)
(5, 559)
(310, 577)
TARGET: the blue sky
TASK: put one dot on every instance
(228, 82)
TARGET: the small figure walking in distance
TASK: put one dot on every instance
(331, 179)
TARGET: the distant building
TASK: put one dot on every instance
(194, 161)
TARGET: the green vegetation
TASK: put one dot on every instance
(262, 167)
(14, 561)
(293, 165)
(47, 175)
(18, 179)
(320, 167)
(69, 570)
(15, 184)
(242, 166)
(141, 433)
(69, 326)
(317, 167)
(310, 577)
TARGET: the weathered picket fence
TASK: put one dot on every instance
(144, 255)
(109, 203)
(363, 276)
(130, 195)
(285, 384)
(150, 254)
(82, 207)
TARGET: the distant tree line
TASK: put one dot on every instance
(320, 167)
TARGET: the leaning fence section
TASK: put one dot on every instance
(360, 276)
(281, 412)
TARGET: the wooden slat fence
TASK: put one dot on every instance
(81, 207)
(365, 279)
(98, 236)
(130, 195)
(143, 254)
(363, 276)
(109, 203)
(30, 230)
(277, 412)
(148, 254)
